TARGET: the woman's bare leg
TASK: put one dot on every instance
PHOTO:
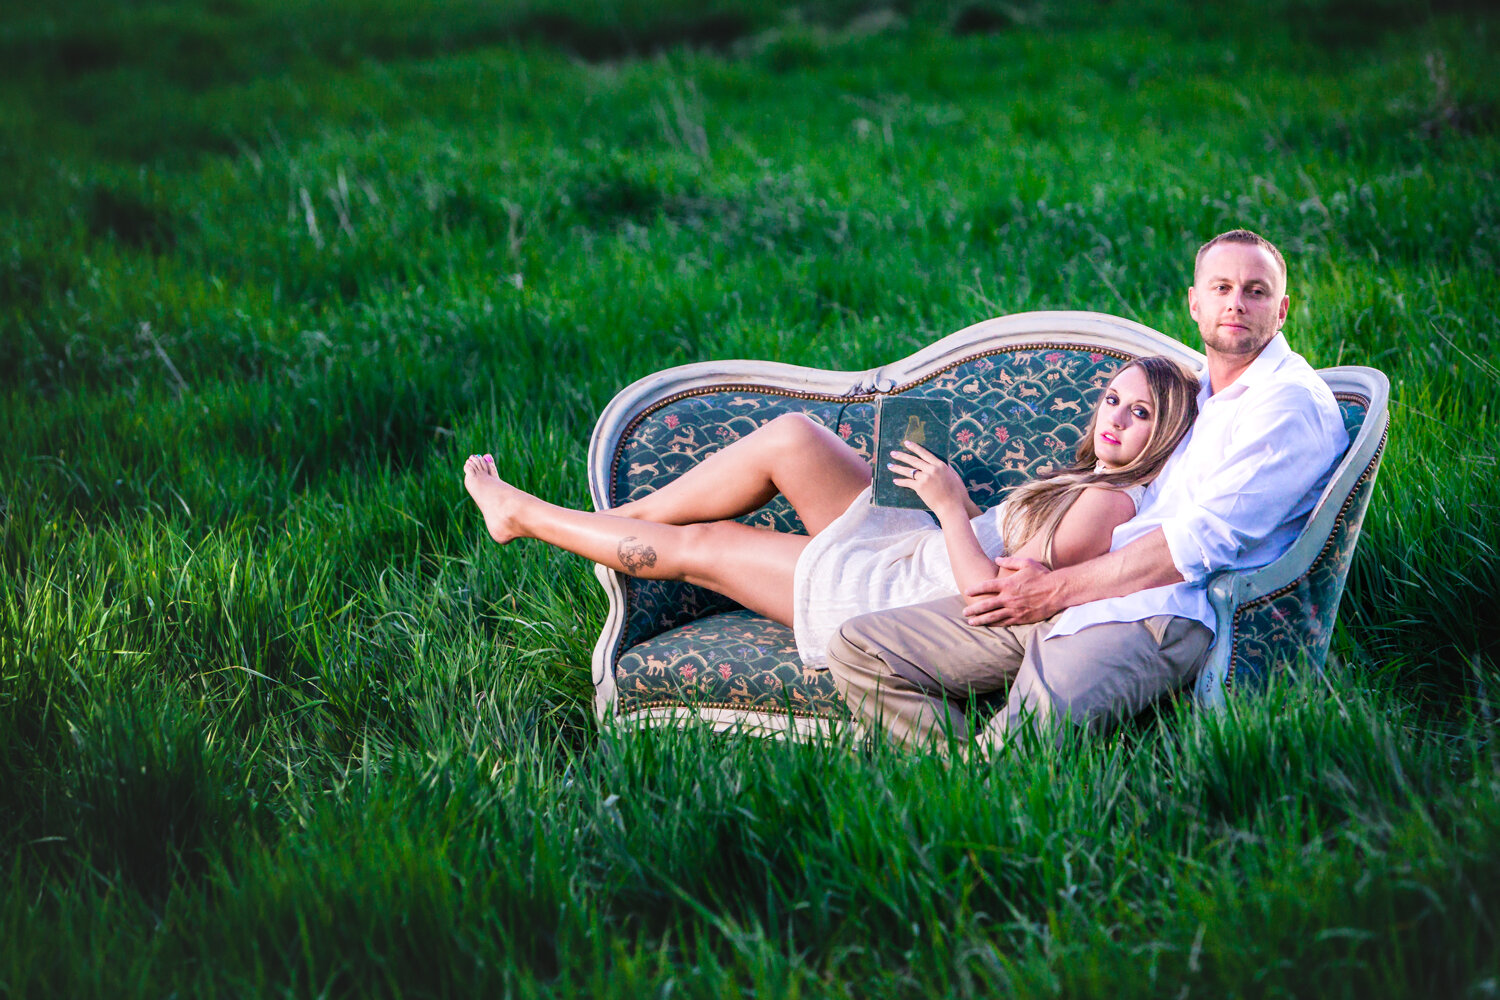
(792, 455)
(750, 565)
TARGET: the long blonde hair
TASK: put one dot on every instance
(1174, 405)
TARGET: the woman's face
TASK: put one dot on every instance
(1126, 416)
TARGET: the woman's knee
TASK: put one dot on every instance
(793, 430)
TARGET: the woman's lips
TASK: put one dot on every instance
(1110, 438)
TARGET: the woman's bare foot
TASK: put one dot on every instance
(498, 501)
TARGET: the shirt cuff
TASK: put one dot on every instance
(1187, 555)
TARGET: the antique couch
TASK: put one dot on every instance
(1022, 388)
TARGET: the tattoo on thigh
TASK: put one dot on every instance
(636, 555)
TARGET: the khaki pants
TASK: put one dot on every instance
(915, 669)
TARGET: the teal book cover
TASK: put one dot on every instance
(901, 418)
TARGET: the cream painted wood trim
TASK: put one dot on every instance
(720, 720)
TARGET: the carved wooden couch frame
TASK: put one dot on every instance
(1022, 387)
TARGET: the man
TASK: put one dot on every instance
(1100, 640)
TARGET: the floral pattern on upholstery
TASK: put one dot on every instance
(735, 660)
(1295, 624)
(1015, 413)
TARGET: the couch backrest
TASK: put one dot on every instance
(1015, 413)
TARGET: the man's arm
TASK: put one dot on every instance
(1260, 478)
(1032, 593)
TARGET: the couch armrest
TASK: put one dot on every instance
(1285, 610)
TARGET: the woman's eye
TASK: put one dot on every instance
(1111, 398)
(1141, 414)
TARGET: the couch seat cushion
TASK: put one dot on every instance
(733, 660)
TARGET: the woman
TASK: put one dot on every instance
(858, 558)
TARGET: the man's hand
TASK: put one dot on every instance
(1026, 591)
(1022, 593)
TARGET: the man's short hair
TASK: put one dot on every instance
(1241, 236)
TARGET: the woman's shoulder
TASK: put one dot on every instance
(1108, 501)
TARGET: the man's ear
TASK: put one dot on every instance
(1193, 302)
(1286, 302)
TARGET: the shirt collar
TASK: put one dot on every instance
(1265, 364)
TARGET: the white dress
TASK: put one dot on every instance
(872, 558)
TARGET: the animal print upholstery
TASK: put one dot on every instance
(736, 660)
(1015, 412)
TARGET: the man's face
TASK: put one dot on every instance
(1238, 299)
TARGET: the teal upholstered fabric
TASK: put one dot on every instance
(735, 660)
(680, 433)
(1015, 413)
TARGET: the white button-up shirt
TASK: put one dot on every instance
(1237, 490)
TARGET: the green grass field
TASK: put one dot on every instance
(277, 719)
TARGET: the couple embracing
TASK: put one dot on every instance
(1083, 594)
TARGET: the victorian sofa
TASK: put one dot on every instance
(1021, 387)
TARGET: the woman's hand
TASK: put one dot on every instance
(933, 480)
(940, 488)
